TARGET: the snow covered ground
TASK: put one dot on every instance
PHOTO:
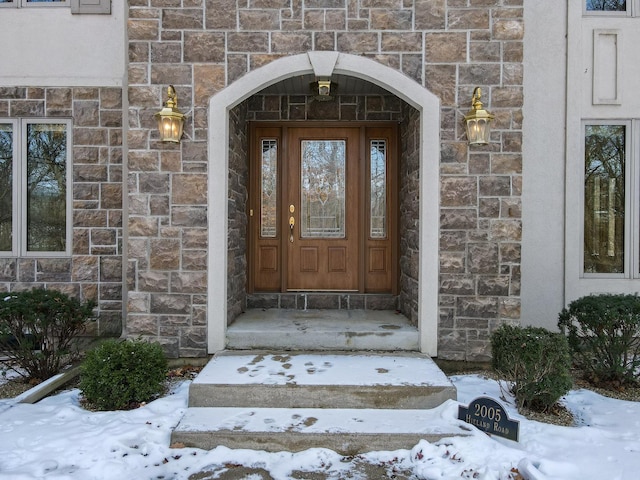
(57, 439)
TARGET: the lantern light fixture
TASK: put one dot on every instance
(170, 119)
(478, 121)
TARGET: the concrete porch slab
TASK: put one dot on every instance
(285, 329)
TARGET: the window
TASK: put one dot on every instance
(607, 7)
(35, 189)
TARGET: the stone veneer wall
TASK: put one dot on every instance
(409, 221)
(94, 270)
(449, 46)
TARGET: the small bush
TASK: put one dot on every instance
(536, 361)
(120, 374)
(39, 330)
(604, 336)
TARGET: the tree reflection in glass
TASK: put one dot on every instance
(6, 187)
(604, 199)
(607, 5)
(322, 189)
(46, 187)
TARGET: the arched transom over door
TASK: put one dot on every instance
(323, 207)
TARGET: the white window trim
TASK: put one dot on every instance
(19, 192)
(632, 196)
(630, 12)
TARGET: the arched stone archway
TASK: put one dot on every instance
(322, 65)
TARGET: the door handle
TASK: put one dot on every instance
(292, 222)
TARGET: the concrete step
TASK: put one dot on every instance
(346, 431)
(348, 402)
(321, 380)
(340, 330)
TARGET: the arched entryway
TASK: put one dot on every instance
(325, 65)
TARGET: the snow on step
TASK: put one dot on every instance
(347, 431)
(322, 369)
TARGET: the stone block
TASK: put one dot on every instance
(456, 285)
(152, 281)
(164, 254)
(188, 189)
(430, 14)
(111, 269)
(495, 186)
(291, 42)
(143, 226)
(153, 182)
(458, 191)
(84, 268)
(506, 230)
(248, 42)
(458, 218)
(208, 80)
(8, 270)
(508, 29)
(446, 47)
(389, 19)
(468, 19)
(189, 282)
(493, 286)
(143, 29)
(483, 258)
(477, 307)
(221, 14)
(142, 325)
(357, 42)
(170, 304)
(259, 20)
(452, 262)
(182, 19)
(189, 216)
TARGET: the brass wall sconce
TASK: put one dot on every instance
(478, 121)
(170, 119)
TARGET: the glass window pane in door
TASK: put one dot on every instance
(269, 189)
(322, 189)
(604, 199)
(46, 187)
(6, 187)
(378, 189)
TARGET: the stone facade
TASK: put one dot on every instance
(94, 270)
(448, 46)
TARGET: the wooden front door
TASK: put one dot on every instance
(322, 208)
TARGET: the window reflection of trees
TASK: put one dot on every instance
(269, 189)
(604, 210)
(378, 190)
(46, 187)
(6, 187)
(607, 5)
(323, 188)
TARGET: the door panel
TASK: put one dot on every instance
(322, 180)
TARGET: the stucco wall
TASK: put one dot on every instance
(48, 46)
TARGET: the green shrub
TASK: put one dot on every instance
(39, 330)
(536, 361)
(604, 336)
(119, 374)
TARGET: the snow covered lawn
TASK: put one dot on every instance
(57, 439)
